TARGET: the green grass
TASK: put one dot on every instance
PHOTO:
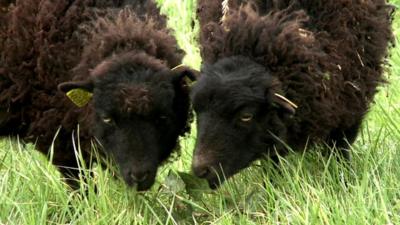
(311, 189)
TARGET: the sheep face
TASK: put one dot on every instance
(238, 117)
(139, 115)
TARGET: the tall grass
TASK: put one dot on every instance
(309, 189)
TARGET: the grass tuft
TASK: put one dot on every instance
(309, 188)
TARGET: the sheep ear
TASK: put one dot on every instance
(184, 76)
(86, 85)
(79, 92)
(285, 103)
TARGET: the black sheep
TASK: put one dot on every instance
(117, 61)
(284, 72)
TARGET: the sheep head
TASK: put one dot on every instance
(240, 117)
(139, 114)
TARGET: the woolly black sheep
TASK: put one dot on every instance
(294, 71)
(117, 53)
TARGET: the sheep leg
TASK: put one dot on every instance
(70, 171)
(4, 115)
(275, 161)
(4, 122)
(343, 138)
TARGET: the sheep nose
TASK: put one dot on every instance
(202, 172)
(139, 176)
(200, 167)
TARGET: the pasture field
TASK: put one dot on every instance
(309, 189)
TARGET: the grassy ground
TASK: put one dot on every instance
(311, 189)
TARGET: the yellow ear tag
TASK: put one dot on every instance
(79, 96)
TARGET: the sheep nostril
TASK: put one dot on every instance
(138, 177)
(202, 172)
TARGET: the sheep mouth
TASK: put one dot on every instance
(142, 185)
(215, 183)
(216, 179)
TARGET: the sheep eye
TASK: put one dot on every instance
(107, 120)
(246, 117)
